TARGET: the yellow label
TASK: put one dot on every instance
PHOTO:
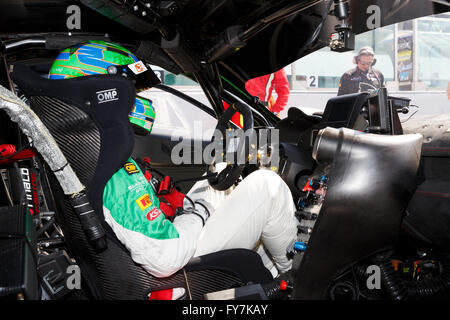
(144, 202)
(130, 168)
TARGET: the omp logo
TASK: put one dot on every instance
(144, 202)
(130, 168)
(107, 95)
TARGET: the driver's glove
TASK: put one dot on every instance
(200, 208)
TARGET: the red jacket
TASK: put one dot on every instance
(263, 86)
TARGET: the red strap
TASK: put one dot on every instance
(7, 150)
(24, 154)
(169, 193)
(147, 175)
(175, 198)
(167, 209)
(165, 186)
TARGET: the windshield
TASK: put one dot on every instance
(411, 58)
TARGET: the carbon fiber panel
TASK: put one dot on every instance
(206, 281)
(74, 131)
(17, 246)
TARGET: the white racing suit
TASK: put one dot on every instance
(260, 207)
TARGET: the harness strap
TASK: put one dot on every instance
(170, 198)
(18, 155)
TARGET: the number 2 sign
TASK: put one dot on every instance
(312, 81)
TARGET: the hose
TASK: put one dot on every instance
(392, 282)
(399, 289)
(436, 286)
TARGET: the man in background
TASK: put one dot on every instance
(363, 77)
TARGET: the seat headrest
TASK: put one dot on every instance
(105, 98)
(88, 117)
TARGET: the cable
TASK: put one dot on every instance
(317, 31)
(409, 117)
(356, 284)
(415, 106)
(207, 176)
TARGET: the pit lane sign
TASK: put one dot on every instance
(312, 81)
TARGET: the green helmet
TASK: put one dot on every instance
(99, 57)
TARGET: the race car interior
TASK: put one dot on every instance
(358, 176)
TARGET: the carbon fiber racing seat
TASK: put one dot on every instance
(97, 138)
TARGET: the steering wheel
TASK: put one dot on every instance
(240, 150)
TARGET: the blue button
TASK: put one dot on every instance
(300, 246)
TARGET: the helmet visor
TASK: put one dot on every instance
(142, 116)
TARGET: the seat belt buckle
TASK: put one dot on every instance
(165, 186)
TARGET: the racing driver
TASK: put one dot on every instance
(259, 208)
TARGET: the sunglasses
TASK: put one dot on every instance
(366, 63)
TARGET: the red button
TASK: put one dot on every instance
(283, 285)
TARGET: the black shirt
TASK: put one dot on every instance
(356, 80)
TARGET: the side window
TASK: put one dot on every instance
(176, 116)
(175, 80)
